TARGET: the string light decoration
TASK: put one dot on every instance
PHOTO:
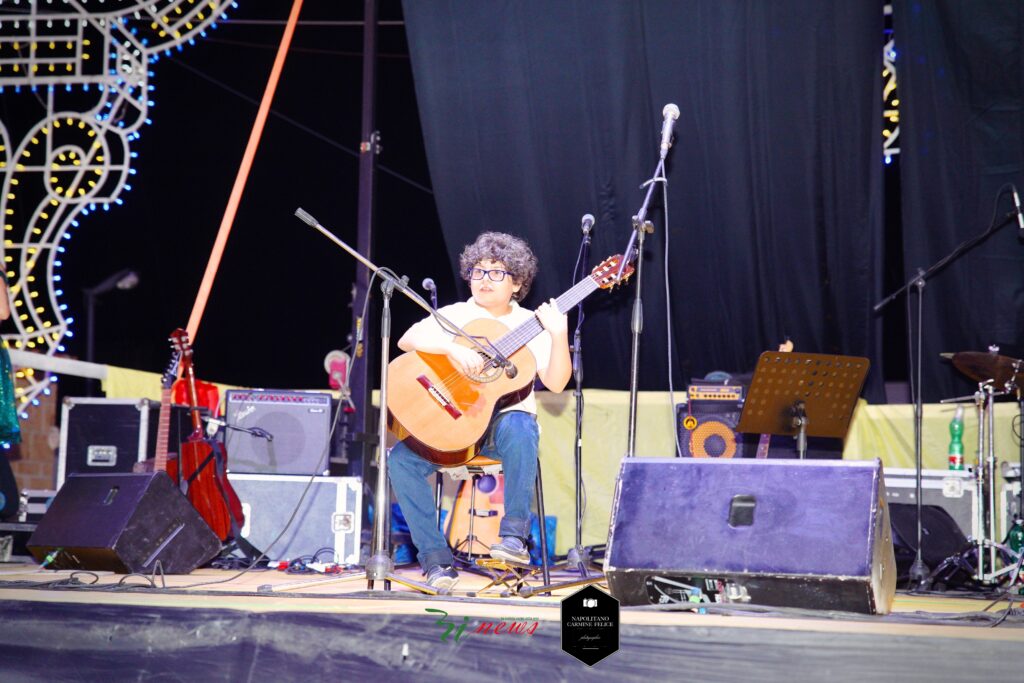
(890, 96)
(88, 65)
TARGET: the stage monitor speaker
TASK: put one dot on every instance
(287, 433)
(123, 523)
(809, 534)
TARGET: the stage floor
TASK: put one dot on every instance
(219, 625)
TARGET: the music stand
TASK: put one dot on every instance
(803, 394)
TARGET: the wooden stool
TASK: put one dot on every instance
(473, 471)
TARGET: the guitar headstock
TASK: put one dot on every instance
(606, 273)
(182, 347)
(171, 373)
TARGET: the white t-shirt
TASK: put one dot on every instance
(465, 312)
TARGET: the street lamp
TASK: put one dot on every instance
(124, 279)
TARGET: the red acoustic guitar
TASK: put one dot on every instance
(441, 413)
(202, 462)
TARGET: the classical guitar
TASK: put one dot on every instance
(766, 439)
(442, 414)
(202, 462)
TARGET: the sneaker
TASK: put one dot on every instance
(442, 577)
(511, 549)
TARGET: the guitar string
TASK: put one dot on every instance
(513, 340)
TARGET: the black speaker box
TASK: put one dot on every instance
(123, 523)
(809, 534)
(941, 536)
(298, 422)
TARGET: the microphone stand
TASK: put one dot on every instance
(918, 571)
(380, 566)
(579, 556)
(635, 249)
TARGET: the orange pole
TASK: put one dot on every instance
(243, 174)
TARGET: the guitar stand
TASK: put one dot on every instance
(511, 575)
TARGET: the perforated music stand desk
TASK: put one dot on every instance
(803, 394)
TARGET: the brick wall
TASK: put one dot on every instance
(36, 468)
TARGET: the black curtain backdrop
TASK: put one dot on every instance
(535, 113)
(961, 86)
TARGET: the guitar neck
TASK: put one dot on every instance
(163, 431)
(516, 338)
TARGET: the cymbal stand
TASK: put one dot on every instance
(988, 546)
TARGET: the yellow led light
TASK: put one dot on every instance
(67, 67)
(39, 309)
(31, 278)
(30, 329)
(23, 316)
(26, 153)
(85, 55)
(53, 45)
(35, 141)
(44, 215)
(895, 102)
(54, 202)
(886, 133)
(14, 181)
(18, 303)
(86, 42)
(30, 345)
(10, 195)
(51, 67)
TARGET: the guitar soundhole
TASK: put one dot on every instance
(490, 372)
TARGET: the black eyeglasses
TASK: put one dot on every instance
(494, 275)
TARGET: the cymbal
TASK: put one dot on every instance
(981, 366)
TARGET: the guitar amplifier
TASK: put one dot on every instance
(278, 432)
(707, 421)
(107, 435)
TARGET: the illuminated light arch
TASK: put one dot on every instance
(87, 63)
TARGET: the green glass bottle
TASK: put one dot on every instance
(956, 442)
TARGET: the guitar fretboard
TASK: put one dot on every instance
(515, 338)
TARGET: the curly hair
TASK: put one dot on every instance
(516, 254)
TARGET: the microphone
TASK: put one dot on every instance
(1020, 216)
(671, 113)
(588, 223)
(428, 284)
(336, 364)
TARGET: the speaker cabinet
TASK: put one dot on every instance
(773, 532)
(288, 432)
(123, 523)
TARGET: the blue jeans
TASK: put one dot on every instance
(512, 438)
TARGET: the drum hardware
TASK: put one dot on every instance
(996, 376)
